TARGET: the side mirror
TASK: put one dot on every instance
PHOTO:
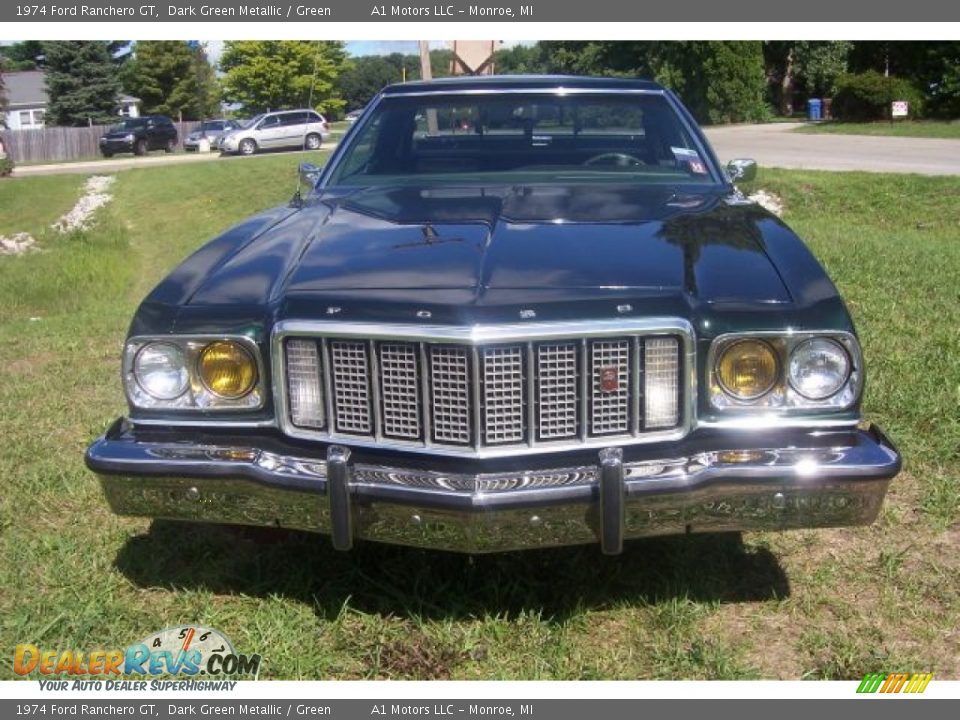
(742, 170)
(309, 174)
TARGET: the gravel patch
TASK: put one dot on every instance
(17, 244)
(767, 200)
(95, 195)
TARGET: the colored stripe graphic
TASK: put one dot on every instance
(889, 683)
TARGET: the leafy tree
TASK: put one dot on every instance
(811, 67)
(172, 78)
(520, 60)
(82, 82)
(21, 55)
(276, 74)
(932, 67)
(365, 76)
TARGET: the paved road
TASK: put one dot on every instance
(776, 145)
(772, 145)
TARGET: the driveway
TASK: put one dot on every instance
(776, 145)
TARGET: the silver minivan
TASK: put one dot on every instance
(283, 129)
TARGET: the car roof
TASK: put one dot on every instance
(520, 82)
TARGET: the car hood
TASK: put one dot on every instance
(487, 245)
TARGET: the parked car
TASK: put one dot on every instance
(140, 135)
(352, 116)
(211, 130)
(286, 129)
(564, 326)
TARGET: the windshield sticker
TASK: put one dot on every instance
(689, 160)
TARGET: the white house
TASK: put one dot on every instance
(27, 100)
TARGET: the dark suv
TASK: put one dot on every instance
(139, 135)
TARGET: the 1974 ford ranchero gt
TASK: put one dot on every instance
(509, 313)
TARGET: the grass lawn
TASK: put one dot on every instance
(901, 128)
(813, 604)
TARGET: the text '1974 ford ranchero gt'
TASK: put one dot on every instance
(508, 313)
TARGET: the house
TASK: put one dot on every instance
(27, 100)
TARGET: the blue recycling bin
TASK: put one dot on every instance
(814, 109)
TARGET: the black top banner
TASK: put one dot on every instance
(523, 11)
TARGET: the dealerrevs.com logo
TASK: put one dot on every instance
(187, 650)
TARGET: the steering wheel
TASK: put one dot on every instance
(615, 159)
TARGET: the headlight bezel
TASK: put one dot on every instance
(197, 398)
(782, 397)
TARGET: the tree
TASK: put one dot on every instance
(82, 82)
(21, 55)
(266, 75)
(932, 67)
(520, 60)
(365, 76)
(173, 78)
(3, 96)
(811, 67)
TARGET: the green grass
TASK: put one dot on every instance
(900, 128)
(832, 603)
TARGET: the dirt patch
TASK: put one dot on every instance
(416, 657)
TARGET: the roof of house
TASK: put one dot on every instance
(27, 89)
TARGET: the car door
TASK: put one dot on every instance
(269, 132)
(150, 134)
(294, 126)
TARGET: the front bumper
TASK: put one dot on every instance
(116, 145)
(722, 483)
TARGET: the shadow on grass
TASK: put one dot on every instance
(386, 579)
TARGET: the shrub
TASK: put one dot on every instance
(867, 96)
(6, 167)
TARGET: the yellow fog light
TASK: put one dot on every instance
(227, 369)
(748, 369)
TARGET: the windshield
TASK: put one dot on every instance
(130, 124)
(526, 138)
(251, 122)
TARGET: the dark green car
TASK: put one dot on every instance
(509, 313)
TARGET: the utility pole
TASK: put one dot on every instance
(426, 73)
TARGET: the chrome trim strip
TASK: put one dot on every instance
(475, 336)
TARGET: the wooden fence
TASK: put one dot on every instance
(63, 144)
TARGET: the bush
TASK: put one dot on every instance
(6, 167)
(867, 96)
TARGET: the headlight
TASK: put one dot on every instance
(227, 369)
(818, 368)
(747, 369)
(161, 371)
(129, 138)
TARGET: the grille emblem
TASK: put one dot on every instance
(609, 379)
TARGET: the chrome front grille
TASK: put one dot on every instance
(558, 399)
(610, 408)
(450, 380)
(504, 401)
(400, 390)
(351, 386)
(502, 396)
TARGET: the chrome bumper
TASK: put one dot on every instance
(610, 500)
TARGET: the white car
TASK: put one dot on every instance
(284, 129)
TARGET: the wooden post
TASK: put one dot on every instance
(426, 73)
